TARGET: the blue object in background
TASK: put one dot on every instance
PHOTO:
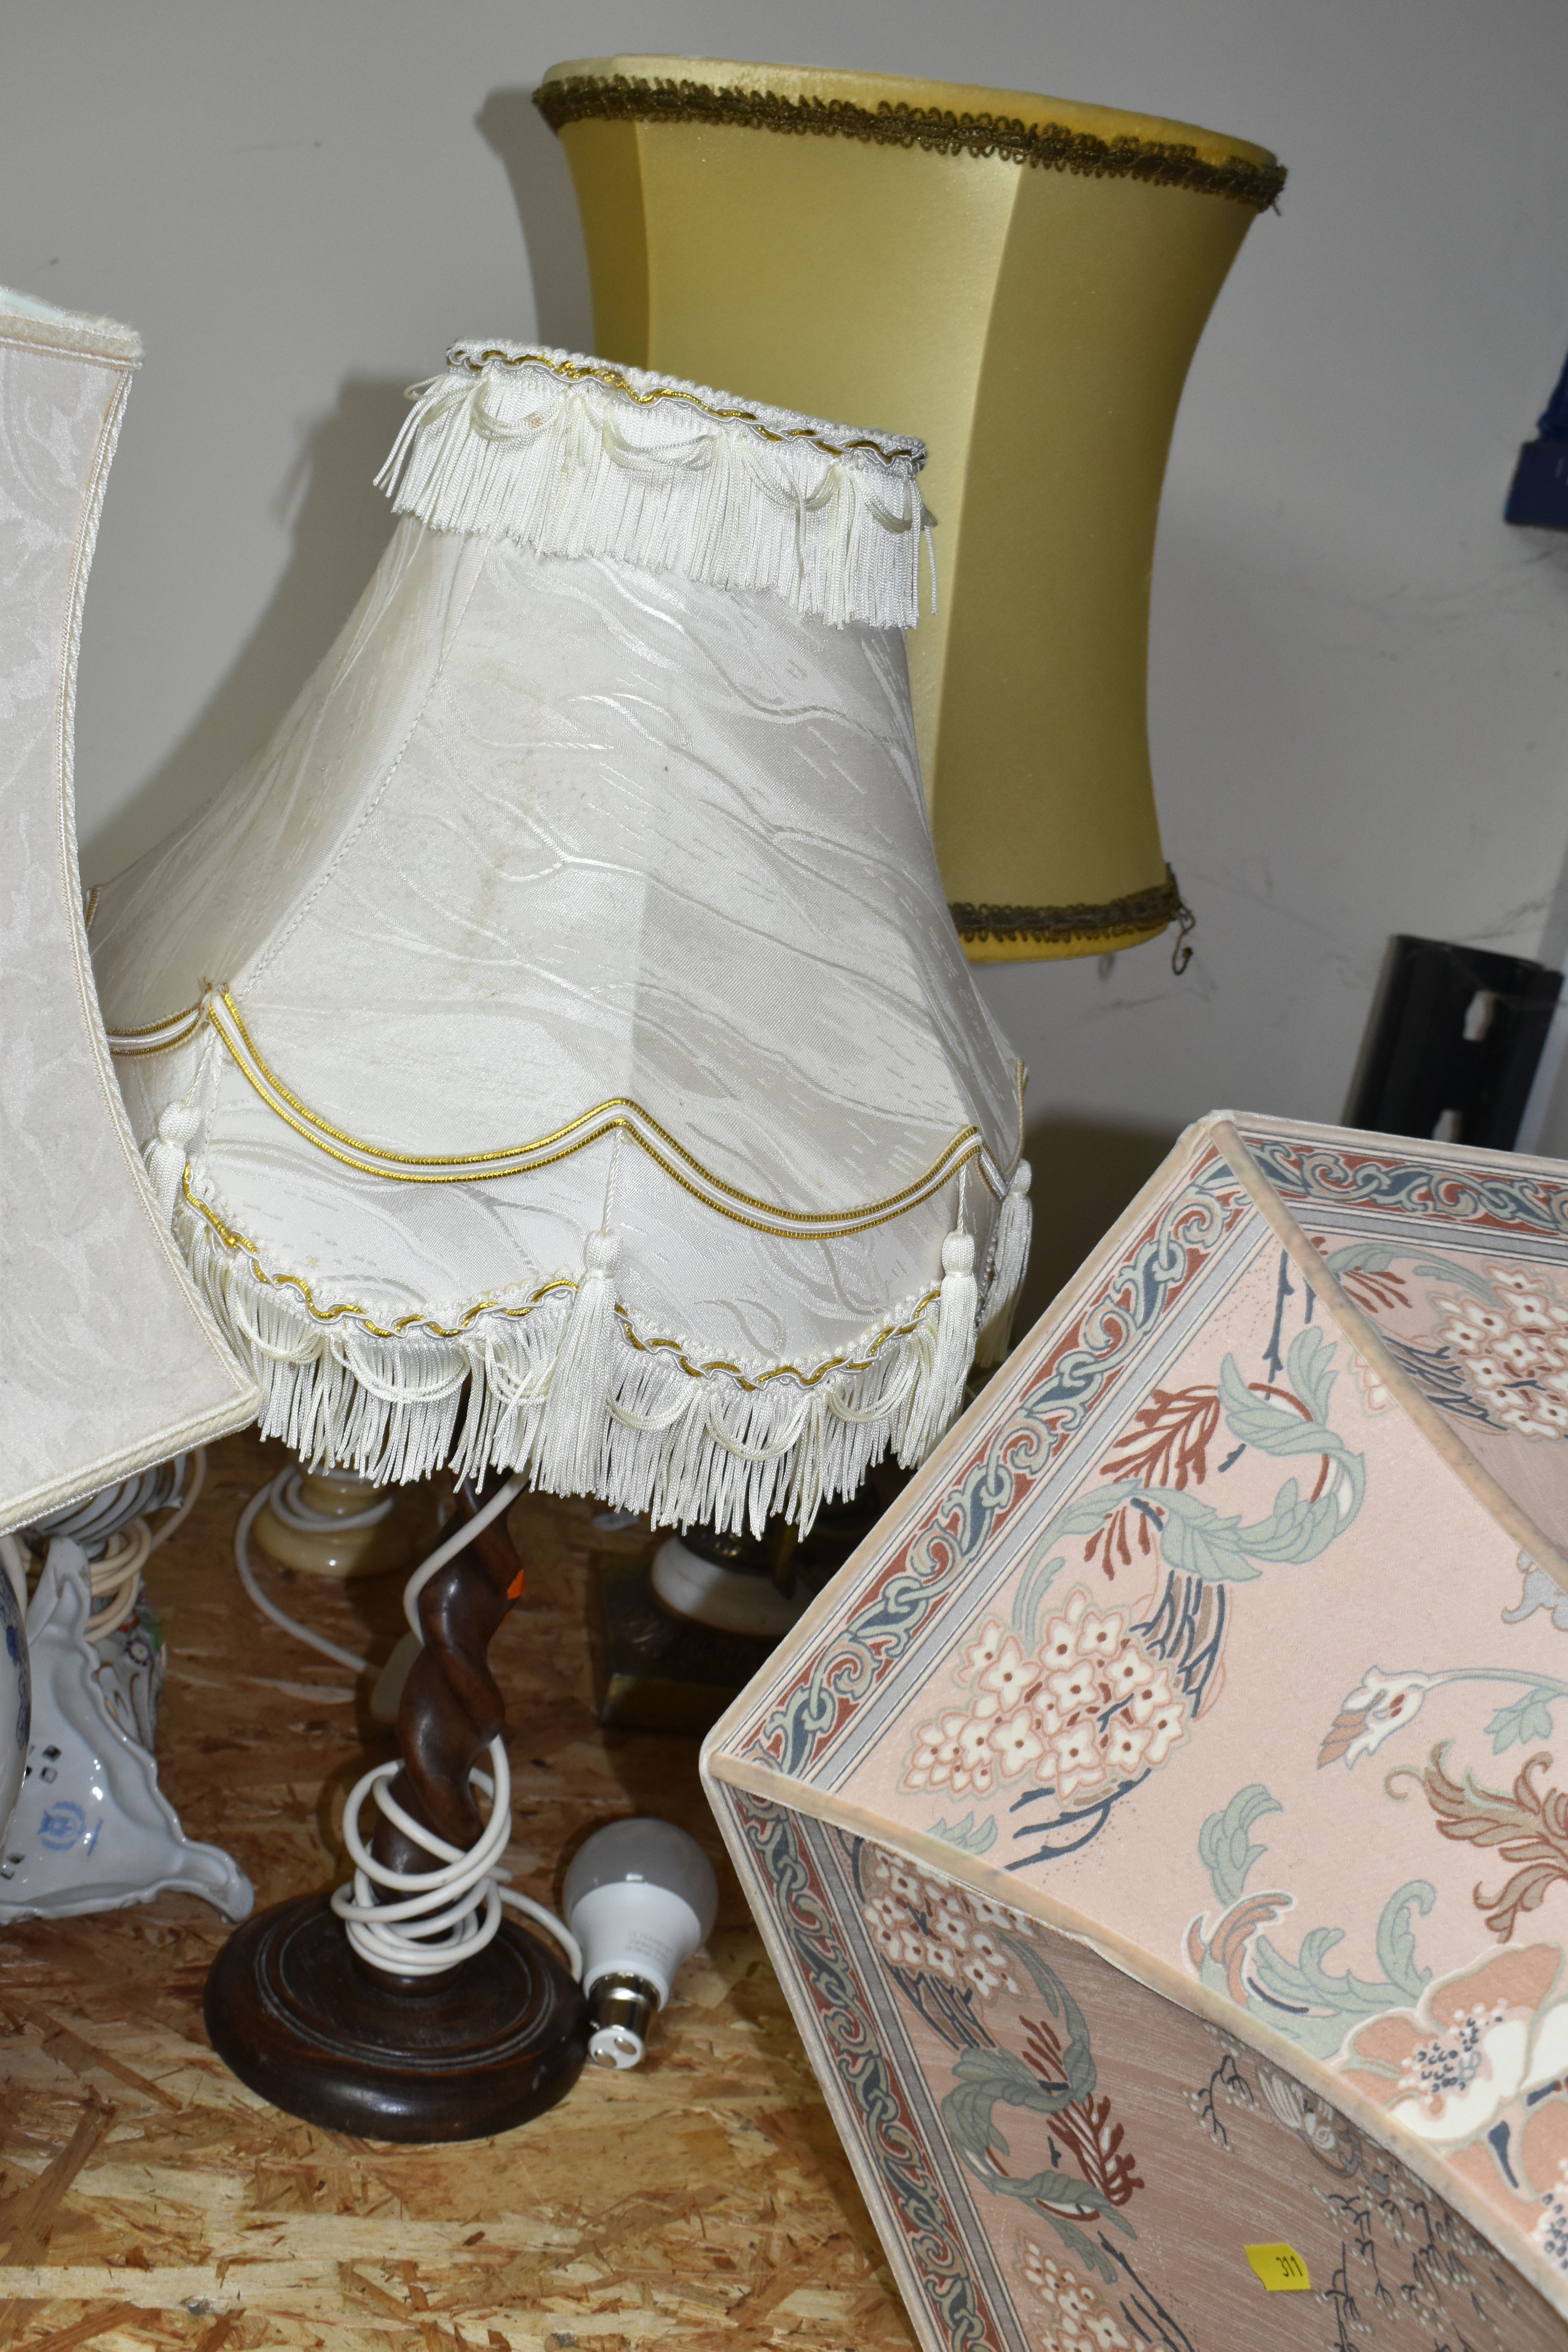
(1538, 494)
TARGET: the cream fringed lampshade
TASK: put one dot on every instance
(553, 1051)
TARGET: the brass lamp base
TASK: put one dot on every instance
(677, 1634)
(656, 1672)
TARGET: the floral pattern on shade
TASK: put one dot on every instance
(1245, 2080)
(1551, 2230)
(949, 1954)
(918, 1921)
(1527, 1826)
(1478, 2071)
(1261, 1502)
(999, 2170)
(1491, 1343)
(1400, 2249)
(1382, 1704)
(1084, 1708)
(1375, 1393)
(1300, 1996)
(1513, 1355)
(802, 1720)
(1060, 1722)
(1078, 2317)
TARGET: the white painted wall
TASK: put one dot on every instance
(1360, 674)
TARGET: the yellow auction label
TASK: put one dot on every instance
(1280, 2268)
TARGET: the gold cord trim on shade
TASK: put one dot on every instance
(90, 908)
(604, 1118)
(432, 1329)
(1141, 911)
(1050, 146)
(157, 1037)
(601, 371)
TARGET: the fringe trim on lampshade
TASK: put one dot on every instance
(681, 1447)
(568, 1440)
(572, 457)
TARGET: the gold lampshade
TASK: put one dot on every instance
(1021, 282)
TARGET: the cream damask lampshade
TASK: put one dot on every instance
(110, 1362)
(553, 1050)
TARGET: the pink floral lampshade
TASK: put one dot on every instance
(1161, 1823)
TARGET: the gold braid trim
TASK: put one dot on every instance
(425, 1326)
(475, 357)
(1141, 911)
(619, 1112)
(1049, 146)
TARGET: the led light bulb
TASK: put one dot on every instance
(640, 1896)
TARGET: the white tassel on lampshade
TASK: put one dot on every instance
(594, 859)
(572, 1428)
(954, 1349)
(570, 457)
(1009, 1263)
(165, 1155)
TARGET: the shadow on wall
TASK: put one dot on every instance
(536, 165)
(1085, 1174)
(340, 524)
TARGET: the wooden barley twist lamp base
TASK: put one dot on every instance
(306, 2021)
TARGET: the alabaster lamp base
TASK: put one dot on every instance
(335, 1523)
(708, 1592)
(305, 2023)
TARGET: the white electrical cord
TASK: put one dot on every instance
(190, 1495)
(445, 1902)
(297, 1518)
(116, 1577)
(501, 1500)
(124, 1546)
(437, 1917)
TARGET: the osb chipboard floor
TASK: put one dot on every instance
(146, 2197)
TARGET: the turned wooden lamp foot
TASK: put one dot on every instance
(311, 2024)
(302, 2020)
